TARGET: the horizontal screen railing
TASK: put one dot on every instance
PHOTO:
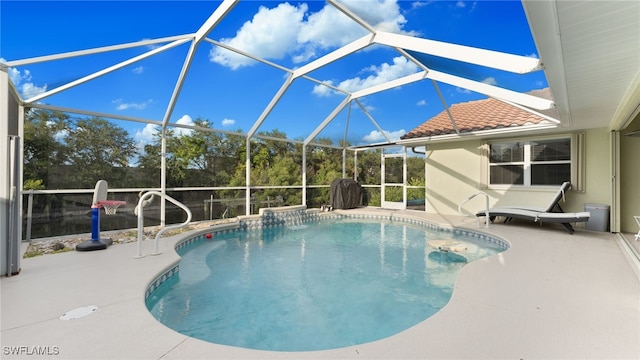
(62, 212)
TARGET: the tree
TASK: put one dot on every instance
(369, 167)
(199, 157)
(42, 149)
(264, 153)
(324, 165)
(149, 161)
(97, 149)
(60, 152)
(213, 154)
(273, 163)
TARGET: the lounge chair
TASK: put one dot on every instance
(637, 236)
(552, 213)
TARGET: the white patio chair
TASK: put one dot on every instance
(637, 237)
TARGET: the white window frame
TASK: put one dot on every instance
(576, 160)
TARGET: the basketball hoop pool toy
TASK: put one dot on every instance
(110, 208)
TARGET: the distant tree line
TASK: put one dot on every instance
(66, 152)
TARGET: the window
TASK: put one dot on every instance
(530, 163)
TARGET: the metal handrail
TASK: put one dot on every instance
(140, 208)
(486, 212)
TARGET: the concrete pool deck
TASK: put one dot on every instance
(551, 295)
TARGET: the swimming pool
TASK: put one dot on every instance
(329, 284)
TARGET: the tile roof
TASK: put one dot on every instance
(478, 115)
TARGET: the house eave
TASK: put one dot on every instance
(481, 134)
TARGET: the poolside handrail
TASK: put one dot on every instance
(486, 212)
(140, 209)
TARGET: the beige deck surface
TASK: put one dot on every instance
(550, 296)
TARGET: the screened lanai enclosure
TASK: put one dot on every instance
(232, 106)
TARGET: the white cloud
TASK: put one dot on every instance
(145, 136)
(328, 28)
(270, 34)
(379, 74)
(421, 102)
(376, 136)
(61, 135)
(23, 84)
(142, 138)
(288, 30)
(14, 75)
(29, 90)
(490, 81)
(228, 122)
(462, 5)
(120, 105)
(184, 120)
(323, 91)
(138, 70)
(419, 4)
(384, 15)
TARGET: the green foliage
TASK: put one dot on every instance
(415, 169)
(97, 149)
(32, 253)
(200, 157)
(416, 193)
(374, 196)
(324, 165)
(76, 152)
(42, 150)
(369, 167)
(393, 193)
(149, 163)
(31, 184)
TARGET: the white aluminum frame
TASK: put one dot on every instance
(399, 42)
(396, 205)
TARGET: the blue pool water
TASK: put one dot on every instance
(319, 286)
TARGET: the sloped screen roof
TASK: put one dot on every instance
(361, 71)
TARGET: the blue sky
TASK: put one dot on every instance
(232, 91)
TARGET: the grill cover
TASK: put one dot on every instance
(345, 194)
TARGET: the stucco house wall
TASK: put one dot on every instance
(455, 169)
